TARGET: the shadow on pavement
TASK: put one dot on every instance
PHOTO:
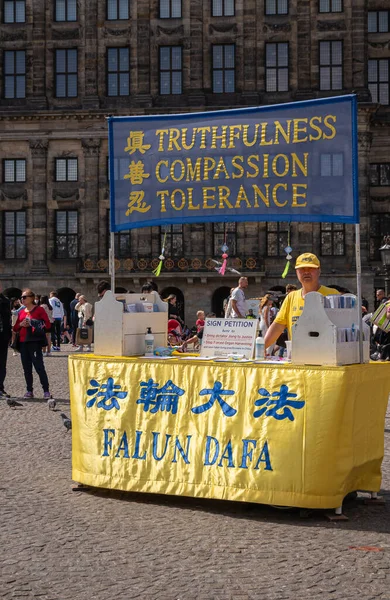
(361, 517)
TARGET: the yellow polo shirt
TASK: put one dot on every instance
(292, 307)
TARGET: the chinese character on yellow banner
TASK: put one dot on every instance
(137, 203)
(135, 142)
(136, 173)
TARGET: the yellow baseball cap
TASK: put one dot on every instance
(307, 260)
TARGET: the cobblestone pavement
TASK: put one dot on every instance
(57, 544)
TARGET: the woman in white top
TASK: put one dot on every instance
(85, 312)
(265, 313)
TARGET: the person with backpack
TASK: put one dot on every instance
(58, 315)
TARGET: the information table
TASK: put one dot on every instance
(273, 434)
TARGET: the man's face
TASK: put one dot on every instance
(380, 295)
(308, 276)
(244, 283)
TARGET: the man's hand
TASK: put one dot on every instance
(274, 331)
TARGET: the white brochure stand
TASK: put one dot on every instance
(119, 333)
(315, 336)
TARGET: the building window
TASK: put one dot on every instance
(223, 68)
(379, 228)
(330, 6)
(276, 7)
(332, 165)
(380, 174)
(122, 241)
(332, 239)
(277, 238)
(378, 80)
(117, 10)
(173, 240)
(121, 168)
(66, 169)
(66, 10)
(66, 73)
(118, 72)
(14, 73)
(276, 67)
(171, 70)
(222, 231)
(331, 65)
(378, 21)
(170, 9)
(222, 8)
(14, 170)
(14, 11)
(66, 234)
(14, 234)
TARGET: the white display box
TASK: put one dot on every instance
(315, 338)
(119, 333)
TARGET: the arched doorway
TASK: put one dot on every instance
(220, 294)
(339, 288)
(277, 290)
(66, 295)
(179, 295)
(12, 292)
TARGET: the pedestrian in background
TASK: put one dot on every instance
(238, 300)
(102, 287)
(58, 315)
(31, 350)
(5, 337)
(44, 302)
(74, 317)
(85, 311)
(15, 308)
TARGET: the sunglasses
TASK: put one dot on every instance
(24, 297)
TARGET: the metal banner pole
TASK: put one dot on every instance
(112, 261)
(359, 289)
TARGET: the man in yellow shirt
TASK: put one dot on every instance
(308, 270)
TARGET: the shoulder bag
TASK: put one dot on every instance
(379, 317)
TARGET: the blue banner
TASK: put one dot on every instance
(288, 162)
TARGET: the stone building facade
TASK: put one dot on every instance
(66, 65)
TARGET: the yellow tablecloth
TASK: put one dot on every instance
(280, 434)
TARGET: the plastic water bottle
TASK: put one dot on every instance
(149, 342)
(259, 348)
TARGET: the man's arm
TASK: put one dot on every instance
(273, 333)
(234, 306)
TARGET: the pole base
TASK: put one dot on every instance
(378, 500)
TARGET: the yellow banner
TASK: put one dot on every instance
(277, 434)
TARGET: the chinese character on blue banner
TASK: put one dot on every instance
(109, 392)
(277, 401)
(216, 393)
(163, 399)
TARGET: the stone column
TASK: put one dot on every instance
(38, 100)
(359, 49)
(143, 96)
(364, 140)
(250, 95)
(196, 96)
(304, 26)
(37, 250)
(91, 99)
(91, 197)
